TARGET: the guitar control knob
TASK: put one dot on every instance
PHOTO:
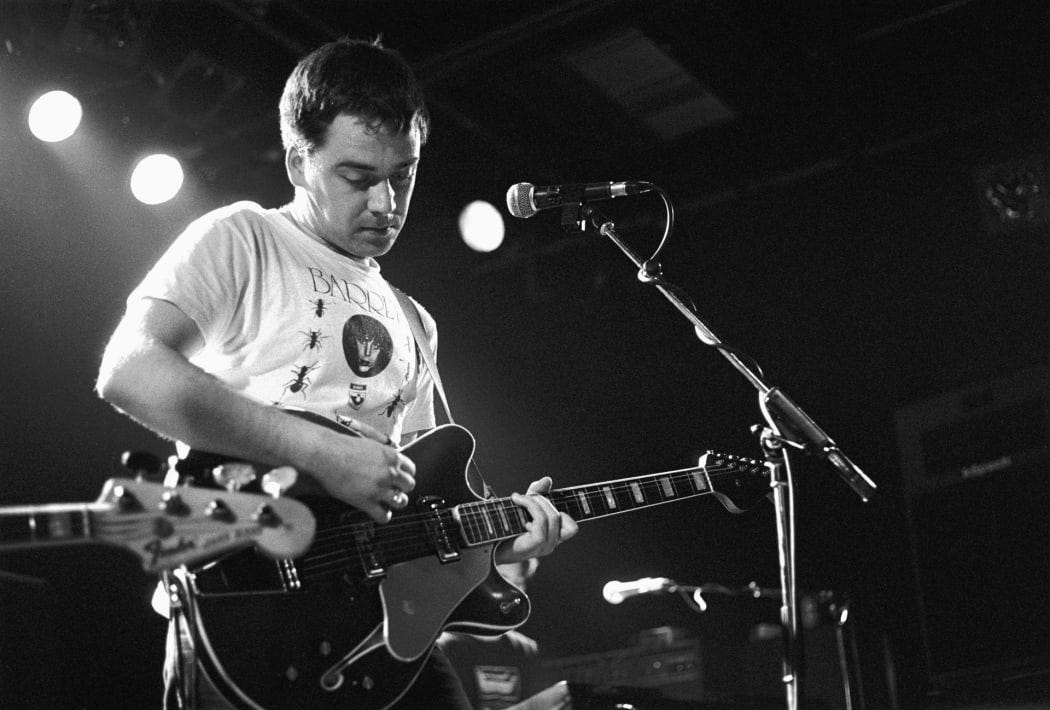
(218, 510)
(172, 504)
(266, 516)
(509, 605)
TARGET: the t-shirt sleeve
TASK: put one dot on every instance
(204, 273)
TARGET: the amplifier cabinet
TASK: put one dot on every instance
(976, 475)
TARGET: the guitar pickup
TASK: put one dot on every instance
(371, 560)
(438, 527)
(446, 552)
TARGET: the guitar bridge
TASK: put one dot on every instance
(289, 575)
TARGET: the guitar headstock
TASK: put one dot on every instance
(168, 527)
(737, 482)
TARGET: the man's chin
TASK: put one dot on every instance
(373, 244)
(360, 248)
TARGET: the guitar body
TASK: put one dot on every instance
(350, 624)
(328, 629)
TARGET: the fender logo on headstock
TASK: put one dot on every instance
(164, 547)
(159, 550)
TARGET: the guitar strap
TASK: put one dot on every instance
(419, 333)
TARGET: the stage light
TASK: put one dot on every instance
(481, 226)
(54, 116)
(157, 178)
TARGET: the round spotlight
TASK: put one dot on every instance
(156, 179)
(481, 226)
(55, 116)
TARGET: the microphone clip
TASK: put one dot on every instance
(574, 216)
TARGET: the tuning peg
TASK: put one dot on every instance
(233, 476)
(125, 499)
(172, 504)
(277, 482)
(144, 465)
(218, 510)
(266, 516)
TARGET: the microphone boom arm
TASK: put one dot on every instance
(772, 400)
(795, 428)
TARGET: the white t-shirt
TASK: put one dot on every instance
(289, 321)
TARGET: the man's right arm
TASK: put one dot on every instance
(146, 373)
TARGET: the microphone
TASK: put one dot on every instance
(525, 199)
(615, 592)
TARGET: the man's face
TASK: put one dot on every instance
(357, 185)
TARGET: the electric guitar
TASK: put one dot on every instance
(166, 527)
(351, 623)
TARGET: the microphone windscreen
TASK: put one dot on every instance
(519, 200)
(613, 592)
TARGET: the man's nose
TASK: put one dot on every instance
(381, 197)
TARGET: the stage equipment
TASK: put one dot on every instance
(674, 667)
(1013, 194)
(975, 464)
(787, 426)
(525, 199)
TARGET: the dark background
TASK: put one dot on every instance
(829, 166)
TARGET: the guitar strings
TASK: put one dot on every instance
(401, 535)
(472, 512)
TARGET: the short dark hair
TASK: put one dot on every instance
(353, 77)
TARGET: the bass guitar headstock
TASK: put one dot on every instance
(167, 527)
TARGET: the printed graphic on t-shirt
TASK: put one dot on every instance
(319, 307)
(395, 405)
(357, 395)
(367, 345)
(300, 381)
(313, 339)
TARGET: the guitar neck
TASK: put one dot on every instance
(60, 523)
(500, 519)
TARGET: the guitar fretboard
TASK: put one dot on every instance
(492, 520)
(51, 523)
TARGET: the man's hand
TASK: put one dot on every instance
(371, 476)
(547, 529)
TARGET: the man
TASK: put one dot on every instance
(253, 307)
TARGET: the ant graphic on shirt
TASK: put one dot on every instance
(319, 307)
(301, 380)
(395, 404)
(313, 339)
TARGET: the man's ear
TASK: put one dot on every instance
(294, 165)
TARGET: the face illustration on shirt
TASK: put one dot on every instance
(367, 353)
(367, 345)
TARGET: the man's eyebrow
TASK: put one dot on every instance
(367, 167)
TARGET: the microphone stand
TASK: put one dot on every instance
(787, 427)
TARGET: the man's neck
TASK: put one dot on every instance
(297, 215)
